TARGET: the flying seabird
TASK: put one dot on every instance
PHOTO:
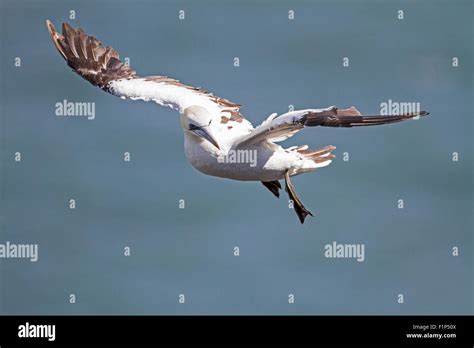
(214, 129)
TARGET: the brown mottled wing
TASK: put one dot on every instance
(86, 56)
(102, 67)
(352, 118)
(281, 127)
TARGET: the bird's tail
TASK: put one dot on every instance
(312, 159)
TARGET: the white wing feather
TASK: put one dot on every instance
(174, 96)
(277, 128)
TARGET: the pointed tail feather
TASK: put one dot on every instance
(313, 159)
(319, 155)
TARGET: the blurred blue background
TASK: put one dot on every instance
(282, 62)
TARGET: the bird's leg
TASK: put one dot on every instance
(298, 206)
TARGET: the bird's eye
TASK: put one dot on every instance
(192, 127)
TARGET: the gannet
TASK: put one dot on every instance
(215, 132)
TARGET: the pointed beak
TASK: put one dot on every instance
(203, 133)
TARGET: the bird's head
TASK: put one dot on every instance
(196, 120)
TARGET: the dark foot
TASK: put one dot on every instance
(273, 186)
(298, 206)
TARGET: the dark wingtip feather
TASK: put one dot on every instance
(87, 57)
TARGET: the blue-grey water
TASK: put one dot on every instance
(189, 251)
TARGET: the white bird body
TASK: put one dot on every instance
(218, 140)
(269, 161)
(272, 161)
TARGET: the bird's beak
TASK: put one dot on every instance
(203, 133)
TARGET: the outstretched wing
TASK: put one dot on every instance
(278, 128)
(102, 67)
